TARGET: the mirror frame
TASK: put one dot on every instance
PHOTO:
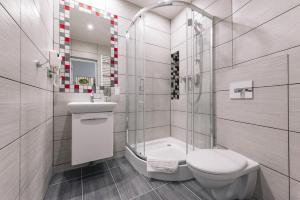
(65, 7)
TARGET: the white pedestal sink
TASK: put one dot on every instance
(92, 131)
(89, 107)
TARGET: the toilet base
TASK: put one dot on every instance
(242, 188)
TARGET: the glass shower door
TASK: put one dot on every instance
(135, 85)
(199, 34)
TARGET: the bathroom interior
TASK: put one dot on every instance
(149, 99)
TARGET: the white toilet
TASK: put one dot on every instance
(226, 174)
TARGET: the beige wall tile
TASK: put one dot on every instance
(267, 71)
(62, 152)
(251, 141)
(271, 185)
(294, 107)
(267, 108)
(295, 190)
(294, 155)
(119, 141)
(223, 31)
(9, 111)
(157, 37)
(33, 110)
(294, 65)
(119, 122)
(30, 73)
(10, 45)
(256, 13)
(158, 22)
(33, 26)
(158, 54)
(223, 55)
(237, 4)
(157, 70)
(157, 133)
(62, 127)
(178, 21)
(220, 9)
(36, 159)
(9, 171)
(268, 38)
(178, 133)
(13, 7)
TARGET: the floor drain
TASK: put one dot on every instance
(168, 145)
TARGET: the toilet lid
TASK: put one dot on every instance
(216, 161)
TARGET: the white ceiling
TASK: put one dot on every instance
(79, 31)
(168, 12)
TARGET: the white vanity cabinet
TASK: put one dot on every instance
(92, 136)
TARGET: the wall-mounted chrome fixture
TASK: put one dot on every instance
(241, 90)
(43, 65)
(52, 64)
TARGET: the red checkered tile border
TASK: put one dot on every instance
(64, 44)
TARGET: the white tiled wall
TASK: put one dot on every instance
(26, 99)
(157, 71)
(259, 40)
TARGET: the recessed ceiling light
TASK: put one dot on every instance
(90, 26)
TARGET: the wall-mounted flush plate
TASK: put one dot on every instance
(241, 90)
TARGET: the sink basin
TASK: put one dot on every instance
(89, 107)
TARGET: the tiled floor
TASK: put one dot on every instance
(116, 179)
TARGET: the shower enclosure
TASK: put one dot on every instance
(191, 124)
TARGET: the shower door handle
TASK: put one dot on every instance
(141, 85)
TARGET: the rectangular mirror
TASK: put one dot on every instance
(88, 43)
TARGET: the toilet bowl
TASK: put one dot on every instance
(225, 173)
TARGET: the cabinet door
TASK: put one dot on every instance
(92, 137)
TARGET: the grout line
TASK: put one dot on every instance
(257, 87)
(23, 83)
(113, 180)
(294, 179)
(20, 117)
(250, 123)
(184, 111)
(81, 183)
(153, 189)
(288, 120)
(196, 132)
(232, 46)
(274, 170)
(266, 55)
(273, 18)
(191, 191)
(21, 136)
(68, 180)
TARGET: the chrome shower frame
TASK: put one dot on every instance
(165, 3)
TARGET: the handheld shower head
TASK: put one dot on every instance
(198, 27)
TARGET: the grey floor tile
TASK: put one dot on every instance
(175, 191)
(129, 182)
(94, 169)
(118, 162)
(100, 186)
(70, 190)
(148, 196)
(156, 183)
(197, 189)
(66, 176)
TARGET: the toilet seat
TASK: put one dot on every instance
(217, 164)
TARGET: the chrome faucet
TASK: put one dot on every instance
(92, 97)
